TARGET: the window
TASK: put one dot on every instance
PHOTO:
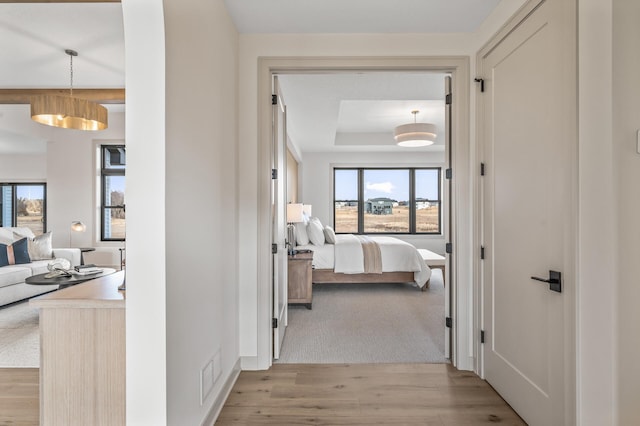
(24, 204)
(391, 201)
(112, 206)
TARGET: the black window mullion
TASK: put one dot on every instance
(107, 171)
(412, 201)
(360, 201)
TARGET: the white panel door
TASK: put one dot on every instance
(529, 216)
(278, 226)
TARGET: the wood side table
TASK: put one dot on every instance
(300, 289)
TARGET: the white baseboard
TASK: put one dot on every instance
(216, 408)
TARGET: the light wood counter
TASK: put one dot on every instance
(82, 353)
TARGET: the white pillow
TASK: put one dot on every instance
(301, 233)
(40, 247)
(329, 235)
(6, 236)
(315, 231)
(23, 231)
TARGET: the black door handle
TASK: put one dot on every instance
(554, 280)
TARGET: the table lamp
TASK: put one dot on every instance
(294, 215)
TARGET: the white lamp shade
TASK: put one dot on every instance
(306, 208)
(294, 213)
(415, 134)
(78, 226)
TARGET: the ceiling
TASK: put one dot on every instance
(359, 111)
(356, 109)
(359, 16)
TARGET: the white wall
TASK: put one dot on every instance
(316, 170)
(23, 168)
(201, 201)
(626, 123)
(146, 254)
(597, 276)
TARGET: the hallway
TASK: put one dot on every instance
(364, 394)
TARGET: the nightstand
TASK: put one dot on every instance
(299, 279)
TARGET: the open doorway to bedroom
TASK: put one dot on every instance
(355, 185)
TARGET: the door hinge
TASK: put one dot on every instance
(448, 248)
(482, 252)
(448, 322)
(481, 81)
(481, 336)
(274, 173)
(274, 99)
(274, 248)
(448, 173)
(274, 322)
(481, 169)
(447, 99)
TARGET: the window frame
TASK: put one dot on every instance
(104, 173)
(412, 200)
(14, 203)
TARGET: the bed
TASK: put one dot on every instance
(348, 260)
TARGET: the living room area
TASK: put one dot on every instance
(53, 180)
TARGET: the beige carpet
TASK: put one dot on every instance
(368, 323)
(19, 337)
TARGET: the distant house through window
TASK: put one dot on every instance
(24, 204)
(390, 201)
(112, 206)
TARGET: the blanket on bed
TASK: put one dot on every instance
(372, 257)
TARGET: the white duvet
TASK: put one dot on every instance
(346, 257)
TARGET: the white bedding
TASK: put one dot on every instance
(346, 257)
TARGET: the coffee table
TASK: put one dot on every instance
(63, 281)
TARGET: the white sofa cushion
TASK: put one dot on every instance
(10, 275)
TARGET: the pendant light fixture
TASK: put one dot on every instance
(415, 134)
(68, 112)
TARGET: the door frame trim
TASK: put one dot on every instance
(464, 349)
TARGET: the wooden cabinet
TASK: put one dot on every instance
(82, 354)
(299, 279)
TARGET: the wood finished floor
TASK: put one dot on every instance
(315, 394)
(19, 396)
(364, 394)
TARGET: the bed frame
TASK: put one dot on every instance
(324, 276)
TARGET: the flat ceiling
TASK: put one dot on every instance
(359, 16)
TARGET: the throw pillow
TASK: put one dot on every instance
(23, 231)
(6, 236)
(329, 235)
(315, 231)
(40, 247)
(14, 254)
(302, 238)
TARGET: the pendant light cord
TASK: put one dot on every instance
(70, 75)
(71, 54)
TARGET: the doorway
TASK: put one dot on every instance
(355, 180)
(458, 68)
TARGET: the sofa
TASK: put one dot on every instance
(12, 276)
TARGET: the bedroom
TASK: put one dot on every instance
(341, 153)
